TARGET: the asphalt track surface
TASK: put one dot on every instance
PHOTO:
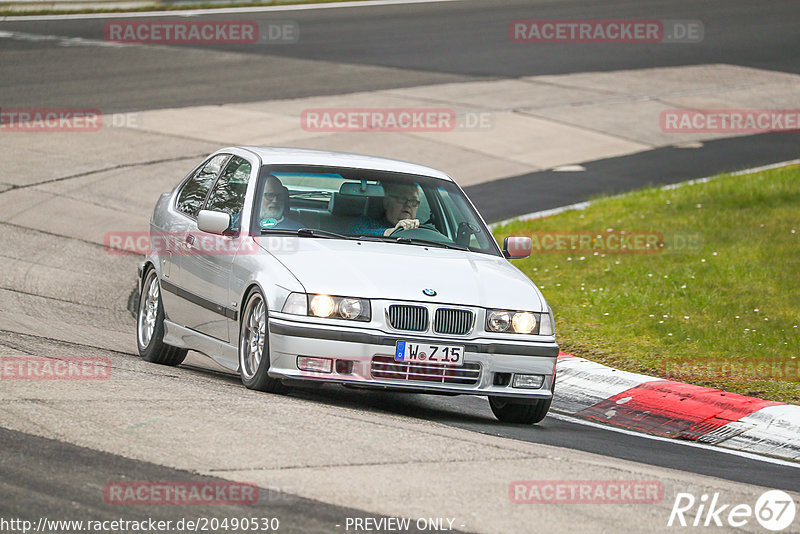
(385, 47)
(388, 47)
(398, 46)
(472, 413)
(39, 478)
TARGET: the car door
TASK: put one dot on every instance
(206, 269)
(183, 223)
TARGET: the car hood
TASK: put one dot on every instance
(379, 270)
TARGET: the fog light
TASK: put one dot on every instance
(528, 381)
(314, 365)
(344, 367)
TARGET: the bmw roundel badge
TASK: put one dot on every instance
(429, 292)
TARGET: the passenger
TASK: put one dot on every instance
(400, 203)
(274, 206)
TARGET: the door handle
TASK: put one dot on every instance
(190, 241)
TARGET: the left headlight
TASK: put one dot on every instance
(328, 307)
(518, 322)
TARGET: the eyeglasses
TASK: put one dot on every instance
(271, 196)
(411, 201)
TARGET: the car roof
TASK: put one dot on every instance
(304, 156)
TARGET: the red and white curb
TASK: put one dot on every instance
(665, 408)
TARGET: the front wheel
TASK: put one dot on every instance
(254, 347)
(524, 414)
(150, 326)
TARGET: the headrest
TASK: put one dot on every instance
(348, 205)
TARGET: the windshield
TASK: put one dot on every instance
(357, 203)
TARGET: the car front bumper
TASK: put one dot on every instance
(365, 357)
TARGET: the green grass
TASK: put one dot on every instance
(734, 297)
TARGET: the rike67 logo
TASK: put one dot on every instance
(774, 510)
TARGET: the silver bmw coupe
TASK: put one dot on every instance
(288, 265)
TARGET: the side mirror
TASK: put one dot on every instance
(516, 247)
(213, 222)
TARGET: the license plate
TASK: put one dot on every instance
(405, 351)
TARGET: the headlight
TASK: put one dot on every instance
(350, 308)
(518, 322)
(523, 323)
(322, 305)
(498, 320)
(328, 307)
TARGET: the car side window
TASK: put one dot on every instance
(228, 193)
(194, 191)
(463, 222)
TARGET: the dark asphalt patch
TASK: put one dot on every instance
(45, 478)
(537, 191)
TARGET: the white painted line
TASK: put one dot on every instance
(737, 173)
(686, 443)
(767, 167)
(223, 11)
(569, 168)
(583, 205)
(688, 144)
(543, 214)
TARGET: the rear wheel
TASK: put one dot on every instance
(525, 414)
(150, 326)
(254, 347)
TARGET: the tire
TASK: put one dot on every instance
(523, 414)
(150, 325)
(254, 346)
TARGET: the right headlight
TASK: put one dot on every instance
(519, 322)
(328, 307)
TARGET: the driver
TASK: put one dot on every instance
(400, 203)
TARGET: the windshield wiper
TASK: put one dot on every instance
(425, 242)
(313, 232)
(304, 232)
(416, 241)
